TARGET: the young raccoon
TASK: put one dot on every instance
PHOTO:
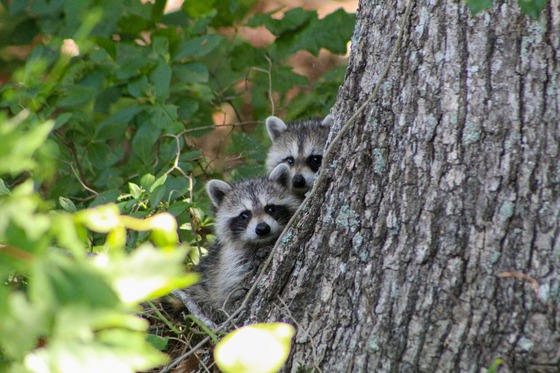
(250, 215)
(299, 145)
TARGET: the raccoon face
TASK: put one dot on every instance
(300, 146)
(253, 212)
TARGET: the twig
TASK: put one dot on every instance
(534, 283)
(164, 319)
(80, 180)
(193, 308)
(204, 328)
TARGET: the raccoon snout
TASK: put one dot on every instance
(298, 181)
(262, 229)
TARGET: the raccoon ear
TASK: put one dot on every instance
(275, 127)
(217, 190)
(281, 175)
(328, 121)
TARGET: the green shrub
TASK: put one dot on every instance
(100, 116)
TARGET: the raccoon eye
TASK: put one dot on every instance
(270, 209)
(315, 161)
(289, 160)
(245, 215)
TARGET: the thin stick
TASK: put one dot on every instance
(80, 180)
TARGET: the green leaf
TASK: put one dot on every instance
(157, 195)
(77, 96)
(197, 47)
(116, 125)
(101, 219)
(162, 116)
(292, 20)
(477, 6)
(135, 190)
(112, 350)
(67, 204)
(493, 368)
(98, 154)
(139, 277)
(158, 342)
(257, 348)
(62, 119)
(160, 181)
(160, 46)
(105, 197)
(3, 188)
(147, 181)
(63, 280)
(198, 8)
(532, 8)
(19, 143)
(138, 87)
(21, 325)
(191, 72)
(187, 108)
(161, 77)
(144, 140)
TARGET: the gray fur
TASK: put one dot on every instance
(236, 254)
(299, 140)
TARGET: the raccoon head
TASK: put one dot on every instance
(300, 146)
(254, 212)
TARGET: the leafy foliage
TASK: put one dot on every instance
(532, 8)
(104, 105)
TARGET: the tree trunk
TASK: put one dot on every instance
(432, 242)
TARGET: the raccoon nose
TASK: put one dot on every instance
(298, 181)
(262, 229)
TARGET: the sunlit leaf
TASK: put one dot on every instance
(138, 277)
(258, 348)
(102, 219)
(135, 190)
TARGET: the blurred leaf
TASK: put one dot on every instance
(3, 188)
(493, 368)
(138, 277)
(102, 219)
(19, 142)
(257, 348)
(63, 281)
(158, 342)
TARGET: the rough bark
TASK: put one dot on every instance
(432, 243)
